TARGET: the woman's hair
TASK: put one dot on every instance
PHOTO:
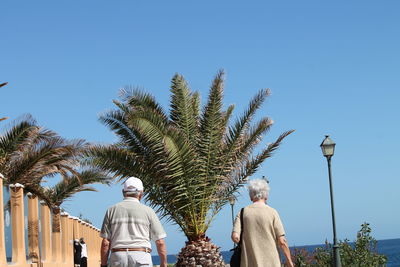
(258, 189)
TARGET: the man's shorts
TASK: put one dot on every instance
(130, 259)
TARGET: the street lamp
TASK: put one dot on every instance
(328, 149)
(232, 202)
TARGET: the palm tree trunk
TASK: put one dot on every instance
(200, 252)
(56, 228)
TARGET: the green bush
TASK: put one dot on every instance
(360, 254)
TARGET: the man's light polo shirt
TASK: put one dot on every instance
(130, 224)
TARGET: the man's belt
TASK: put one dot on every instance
(148, 250)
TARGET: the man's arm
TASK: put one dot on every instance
(162, 252)
(286, 251)
(235, 237)
(105, 248)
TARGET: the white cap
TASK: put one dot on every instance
(133, 184)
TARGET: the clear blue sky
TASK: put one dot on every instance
(333, 68)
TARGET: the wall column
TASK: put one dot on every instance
(80, 228)
(18, 221)
(45, 225)
(88, 243)
(76, 228)
(65, 238)
(92, 242)
(98, 242)
(3, 259)
(95, 246)
(70, 255)
(85, 233)
(33, 228)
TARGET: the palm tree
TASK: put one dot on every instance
(191, 161)
(30, 153)
(66, 189)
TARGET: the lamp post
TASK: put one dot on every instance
(328, 149)
(232, 202)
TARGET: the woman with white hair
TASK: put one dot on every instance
(263, 231)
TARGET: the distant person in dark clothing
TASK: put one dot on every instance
(77, 253)
(83, 253)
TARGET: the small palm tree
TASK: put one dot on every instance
(29, 154)
(66, 189)
(191, 161)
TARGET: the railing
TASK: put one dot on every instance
(58, 230)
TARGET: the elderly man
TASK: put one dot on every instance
(128, 228)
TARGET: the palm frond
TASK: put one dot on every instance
(137, 99)
(18, 132)
(117, 161)
(184, 113)
(116, 121)
(240, 175)
(69, 186)
(210, 139)
(195, 100)
(38, 154)
(237, 132)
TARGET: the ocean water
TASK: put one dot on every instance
(389, 247)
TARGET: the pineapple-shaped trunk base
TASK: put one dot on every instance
(200, 253)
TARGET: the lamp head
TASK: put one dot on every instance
(328, 147)
(232, 200)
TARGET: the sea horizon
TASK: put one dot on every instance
(388, 247)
